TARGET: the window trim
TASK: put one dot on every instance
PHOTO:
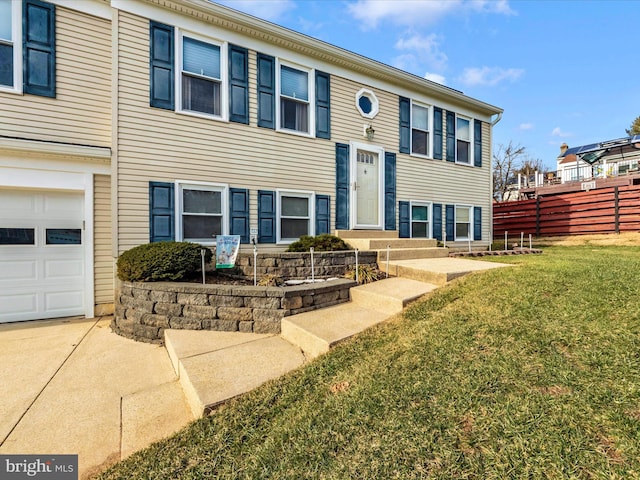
(429, 131)
(429, 222)
(311, 102)
(455, 223)
(471, 143)
(312, 212)
(375, 105)
(208, 186)
(224, 74)
(16, 42)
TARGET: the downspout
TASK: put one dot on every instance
(494, 122)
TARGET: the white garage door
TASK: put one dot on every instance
(42, 272)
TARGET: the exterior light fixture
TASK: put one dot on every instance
(369, 131)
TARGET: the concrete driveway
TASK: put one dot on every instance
(71, 386)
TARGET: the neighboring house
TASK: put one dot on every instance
(599, 160)
(221, 123)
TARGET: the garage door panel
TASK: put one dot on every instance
(17, 270)
(62, 206)
(23, 304)
(17, 205)
(63, 302)
(63, 269)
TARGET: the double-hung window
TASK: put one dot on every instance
(295, 215)
(419, 129)
(463, 222)
(10, 45)
(295, 94)
(420, 220)
(463, 140)
(201, 210)
(201, 77)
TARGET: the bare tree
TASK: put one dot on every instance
(507, 160)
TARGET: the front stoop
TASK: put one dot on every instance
(316, 332)
(399, 248)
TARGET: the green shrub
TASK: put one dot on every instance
(320, 243)
(154, 262)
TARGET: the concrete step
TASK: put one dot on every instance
(215, 367)
(391, 295)
(381, 243)
(411, 253)
(366, 234)
(317, 331)
(151, 415)
(436, 270)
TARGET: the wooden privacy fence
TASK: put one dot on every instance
(605, 210)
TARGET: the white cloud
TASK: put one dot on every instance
(265, 9)
(557, 132)
(489, 76)
(525, 126)
(420, 12)
(422, 50)
(434, 77)
(493, 6)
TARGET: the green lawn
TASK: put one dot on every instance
(524, 372)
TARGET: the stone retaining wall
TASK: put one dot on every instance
(144, 310)
(298, 265)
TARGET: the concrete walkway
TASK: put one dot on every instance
(72, 386)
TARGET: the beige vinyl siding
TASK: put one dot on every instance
(348, 125)
(439, 181)
(81, 111)
(103, 261)
(161, 145)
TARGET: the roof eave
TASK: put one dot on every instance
(239, 21)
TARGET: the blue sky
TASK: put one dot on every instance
(562, 70)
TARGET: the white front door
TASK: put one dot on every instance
(366, 201)
(42, 273)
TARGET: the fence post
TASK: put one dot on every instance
(617, 208)
(538, 216)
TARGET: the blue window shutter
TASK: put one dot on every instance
(450, 222)
(239, 213)
(266, 216)
(238, 84)
(323, 105)
(389, 191)
(39, 48)
(161, 65)
(437, 133)
(477, 143)
(405, 219)
(266, 91)
(437, 221)
(405, 125)
(323, 212)
(477, 223)
(342, 186)
(161, 212)
(451, 136)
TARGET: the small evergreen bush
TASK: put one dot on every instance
(159, 261)
(320, 243)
